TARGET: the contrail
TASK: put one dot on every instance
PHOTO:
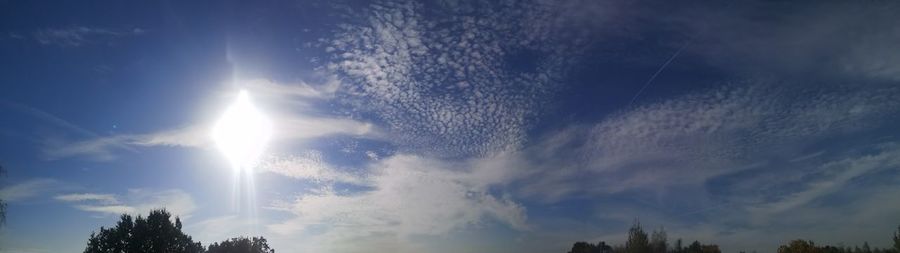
(661, 68)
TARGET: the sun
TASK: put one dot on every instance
(243, 131)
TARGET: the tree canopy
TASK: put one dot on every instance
(155, 233)
(2, 204)
(158, 233)
(638, 242)
(241, 245)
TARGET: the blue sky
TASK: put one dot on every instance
(453, 126)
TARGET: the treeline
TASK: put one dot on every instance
(806, 246)
(639, 242)
(157, 233)
(657, 242)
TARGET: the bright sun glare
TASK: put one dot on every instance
(242, 132)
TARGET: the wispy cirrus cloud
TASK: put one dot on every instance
(77, 197)
(826, 39)
(289, 125)
(29, 189)
(77, 36)
(708, 133)
(135, 201)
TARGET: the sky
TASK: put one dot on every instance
(455, 126)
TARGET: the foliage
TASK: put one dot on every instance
(584, 247)
(637, 240)
(799, 246)
(658, 242)
(156, 233)
(897, 240)
(806, 246)
(2, 204)
(241, 245)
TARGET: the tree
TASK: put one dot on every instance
(156, 233)
(2, 204)
(257, 245)
(678, 247)
(695, 247)
(637, 239)
(658, 241)
(799, 246)
(710, 248)
(582, 247)
(897, 240)
(602, 247)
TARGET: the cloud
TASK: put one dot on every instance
(49, 118)
(135, 202)
(828, 179)
(269, 89)
(471, 83)
(98, 149)
(28, 189)
(410, 196)
(736, 164)
(218, 228)
(77, 197)
(309, 166)
(706, 134)
(110, 209)
(823, 40)
(76, 36)
(289, 125)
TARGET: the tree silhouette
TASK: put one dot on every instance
(637, 239)
(241, 245)
(658, 241)
(799, 246)
(2, 204)
(156, 233)
(584, 247)
(638, 242)
(897, 240)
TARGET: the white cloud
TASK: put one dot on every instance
(289, 125)
(97, 149)
(410, 196)
(706, 134)
(675, 145)
(76, 197)
(109, 209)
(220, 228)
(309, 166)
(836, 175)
(136, 202)
(268, 89)
(28, 189)
(448, 85)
